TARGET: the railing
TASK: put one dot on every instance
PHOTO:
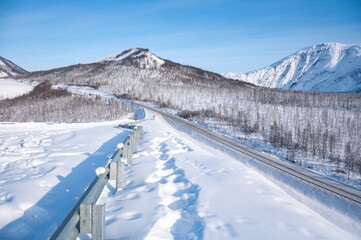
(87, 217)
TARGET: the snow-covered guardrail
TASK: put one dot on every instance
(87, 217)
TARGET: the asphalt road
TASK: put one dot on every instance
(292, 169)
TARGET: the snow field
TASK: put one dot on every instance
(45, 168)
(179, 188)
(170, 198)
(11, 88)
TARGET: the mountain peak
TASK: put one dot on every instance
(8, 68)
(142, 56)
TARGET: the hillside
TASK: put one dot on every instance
(7, 68)
(329, 67)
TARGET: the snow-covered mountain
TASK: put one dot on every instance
(328, 67)
(7, 68)
(143, 57)
(134, 70)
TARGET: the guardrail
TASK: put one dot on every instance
(87, 217)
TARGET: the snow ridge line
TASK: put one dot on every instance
(179, 217)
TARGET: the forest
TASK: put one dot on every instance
(45, 104)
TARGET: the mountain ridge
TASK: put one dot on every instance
(328, 67)
(8, 68)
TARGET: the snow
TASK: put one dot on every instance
(10, 88)
(181, 188)
(118, 56)
(178, 187)
(152, 57)
(144, 58)
(45, 168)
(100, 170)
(330, 67)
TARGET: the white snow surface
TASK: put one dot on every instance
(10, 88)
(143, 56)
(179, 188)
(329, 67)
(45, 168)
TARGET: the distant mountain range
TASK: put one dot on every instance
(328, 67)
(7, 68)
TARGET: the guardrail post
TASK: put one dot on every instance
(133, 143)
(85, 218)
(98, 222)
(119, 176)
(125, 149)
(113, 170)
(92, 220)
(129, 153)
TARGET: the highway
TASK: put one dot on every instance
(292, 169)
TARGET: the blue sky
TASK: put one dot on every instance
(219, 36)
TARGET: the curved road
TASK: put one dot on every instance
(292, 169)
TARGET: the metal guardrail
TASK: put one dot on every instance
(86, 216)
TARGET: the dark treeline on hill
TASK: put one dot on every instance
(319, 126)
(44, 104)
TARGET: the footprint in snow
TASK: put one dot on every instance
(179, 196)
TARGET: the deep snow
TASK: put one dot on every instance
(45, 168)
(180, 188)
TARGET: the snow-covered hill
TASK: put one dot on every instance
(7, 68)
(143, 57)
(329, 67)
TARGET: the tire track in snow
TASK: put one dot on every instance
(179, 218)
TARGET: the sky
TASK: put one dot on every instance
(215, 35)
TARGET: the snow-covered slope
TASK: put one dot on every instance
(10, 88)
(8, 68)
(142, 56)
(329, 67)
